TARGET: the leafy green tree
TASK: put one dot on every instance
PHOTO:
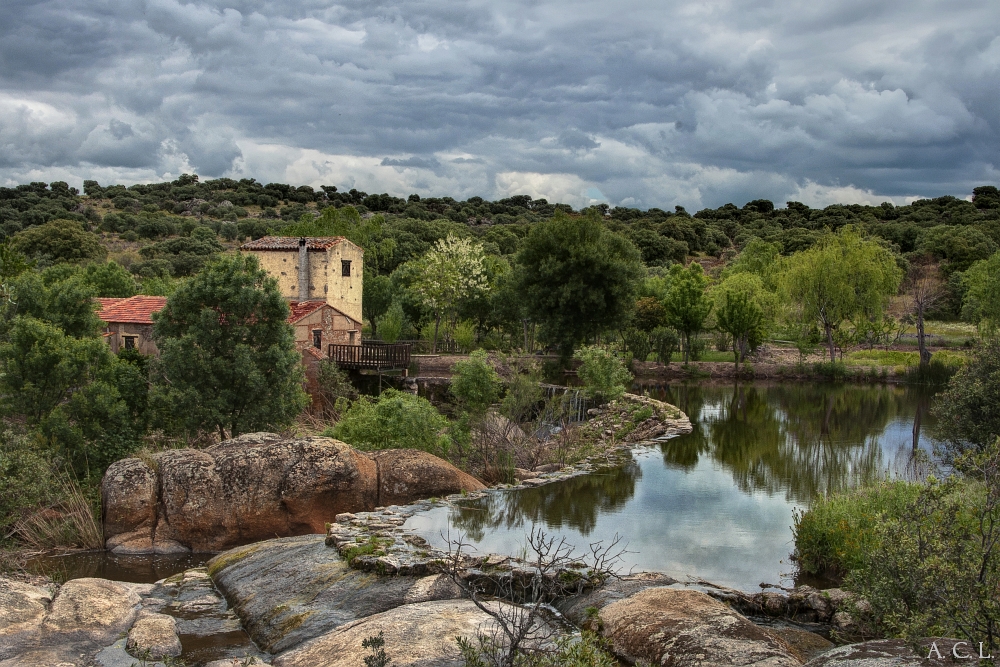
(686, 303)
(110, 279)
(649, 314)
(392, 322)
(228, 361)
(376, 298)
(394, 420)
(603, 374)
(476, 384)
(982, 294)
(577, 278)
(760, 258)
(60, 241)
(843, 277)
(743, 310)
(957, 246)
(450, 272)
(968, 411)
(61, 296)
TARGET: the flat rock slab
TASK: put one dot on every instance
(155, 633)
(22, 608)
(897, 653)
(90, 610)
(289, 590)
(671, 627)
(416, 635)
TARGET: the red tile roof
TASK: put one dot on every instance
(302, 308)
(292, 243)
(134, 310)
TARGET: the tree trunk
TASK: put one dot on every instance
(925, 355)
(829, 341)
(437, 323)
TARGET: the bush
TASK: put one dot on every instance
(968, 411)
(394, 420)
(604, 375)
(834, 536)
(391, 324)
(26, 475)
(475, 384)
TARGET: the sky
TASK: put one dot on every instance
(634, 103)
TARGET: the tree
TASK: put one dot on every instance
(61, 296)
(925, 289)
(110, 279)
(759, 258)
(844, 276)
(982, 296)
(743, 310)
(451, 271)
(968, 411)
(604, 376)
(228, 361)
(376, 299)
(686, 304)
(60, 241)
(476, 384)
(577, 278)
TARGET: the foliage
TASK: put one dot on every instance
(60, 296)
(982, 296)
(335, 389)
(394, 419)
(759, 258)
(744, 311)
(60, 241)
(587, 650)
(604, 375)
(843, 277)
(687, 306)
(377, 656)
(834, 536)
(968, 411)
(376, 299)
(26, 473)
(451, 271)
(577, 278)
(392, 323)
(649, 314)
(664, 341)
(110, 279)
(934, 568)
(476, 384)
(228, 361)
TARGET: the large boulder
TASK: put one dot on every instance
(675, 627)
(416, 635)
(129, 506)
(292, 589)
(406, 475)
(22, 609)
(90, 611)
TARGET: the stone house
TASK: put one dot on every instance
(129, 322)
(329, 269)
(317, 324)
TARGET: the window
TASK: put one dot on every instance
(350, 338)
(318, 339)
(345, 267)
(130, 342)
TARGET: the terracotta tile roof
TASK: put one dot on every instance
(292, 243)
(105, 302)
(302, 308)
(134, 310)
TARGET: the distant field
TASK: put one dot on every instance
(900, 359)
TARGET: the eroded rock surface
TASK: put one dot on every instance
(22, 609)
(256, 487)
(416, 635)
(91, 611)
(666, 626)
(155, 633)
(292, 589)
(897, 653)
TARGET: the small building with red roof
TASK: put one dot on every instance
(129, 322)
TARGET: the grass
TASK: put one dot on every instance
(69, 522)
(901, 361)
(832, 537)
(707, 355)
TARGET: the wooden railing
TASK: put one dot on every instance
(379, 356)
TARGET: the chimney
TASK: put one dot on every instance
(303, 270)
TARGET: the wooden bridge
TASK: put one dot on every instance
(371, 356)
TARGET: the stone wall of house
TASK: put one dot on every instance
(143, 334)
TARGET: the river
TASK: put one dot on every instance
(717, 503)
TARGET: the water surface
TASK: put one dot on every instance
(717, 503)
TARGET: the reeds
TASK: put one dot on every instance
(65, 523)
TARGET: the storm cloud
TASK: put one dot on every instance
(651, 103)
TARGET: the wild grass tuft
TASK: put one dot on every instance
(66, 523)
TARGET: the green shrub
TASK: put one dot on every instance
(475, 384)
(393, 420)
(604, 375)
(835, 534)
(27, 479)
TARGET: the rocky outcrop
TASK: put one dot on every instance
(91, 611)
(22, 610)
(155, 634)
(258, 486)
(287, 591)
(416, 635)
(405, 475)
(667, 626)
(933, 652)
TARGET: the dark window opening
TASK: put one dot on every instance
(318, 339)
(130, 342)
(345, 267)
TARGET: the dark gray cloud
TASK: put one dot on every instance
(642, 103)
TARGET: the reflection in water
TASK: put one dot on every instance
(575, 503)
(718, 502)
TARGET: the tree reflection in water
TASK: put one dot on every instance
(575, 503)
(801, 440)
